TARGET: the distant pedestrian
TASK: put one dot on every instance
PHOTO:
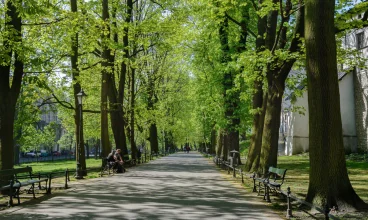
(187, 149)
(139, 154)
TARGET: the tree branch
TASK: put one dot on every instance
(44, 23)
(93, 65)
(97, 52)
(161, 6)
(239, 24)
(63, 103)
(232, 19)
(255, 6)
(285, 18)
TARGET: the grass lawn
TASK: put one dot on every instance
(297, 178)
(297, 175)
(62, 165)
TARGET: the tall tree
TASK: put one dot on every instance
(116, 90)
(277, 71)
(151, 101)
(258, 103)
(106, 65)
(11, 73)
(80, 154)
(329, 184)
(133, 146)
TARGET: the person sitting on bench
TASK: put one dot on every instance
(111, 159)
(119, 161)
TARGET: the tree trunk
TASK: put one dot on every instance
(231, 135)
(254, 153)
(9, 93)
(132, 106)
(219, 143)
(270, 135)
(168, 140)
(225, 146)
(105, 142)
(213, 140)
(258, 103)
(80, 154)
(269, 122)
(116, 114)
(329, 184)
(277, 73)
(87, 149)
(150, 106)
(153, 138)
(116, 95)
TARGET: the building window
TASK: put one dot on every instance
(360, 40)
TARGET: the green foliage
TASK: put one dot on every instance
(175, 43)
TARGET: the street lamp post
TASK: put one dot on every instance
(79, 173)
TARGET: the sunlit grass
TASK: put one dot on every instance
(297, 176)
(60, 165)
(93, 167)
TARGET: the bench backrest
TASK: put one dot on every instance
(272, 170)
(15, 171)
(126, 157)
(280, 174)
(7, 175)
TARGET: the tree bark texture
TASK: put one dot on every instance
(270, 135)
(105, 142)
(213, 141)
(219, 143)
(116, 95)
(329, 184)
(231, 133)
(9, 92)
(254, 152)
(116, 114)
(277, 73)
(153, 138)
(132, 106)
(80, 153)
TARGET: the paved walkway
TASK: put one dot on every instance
(179, 186)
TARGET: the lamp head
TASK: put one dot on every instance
(80, 96)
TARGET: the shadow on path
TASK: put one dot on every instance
(180, 186)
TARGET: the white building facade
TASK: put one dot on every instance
(353, 85)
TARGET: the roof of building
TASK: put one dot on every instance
(340, 75)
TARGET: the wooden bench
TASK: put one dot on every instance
(128, 162)
(12, 180)
(272, 181)
(278, 179)
(108, 167)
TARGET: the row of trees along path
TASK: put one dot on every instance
(189, 70)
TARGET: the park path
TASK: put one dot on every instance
(179, 186)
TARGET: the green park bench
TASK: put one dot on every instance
(107, 167)
(12, 180)
(128, 162)
(272, 181)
